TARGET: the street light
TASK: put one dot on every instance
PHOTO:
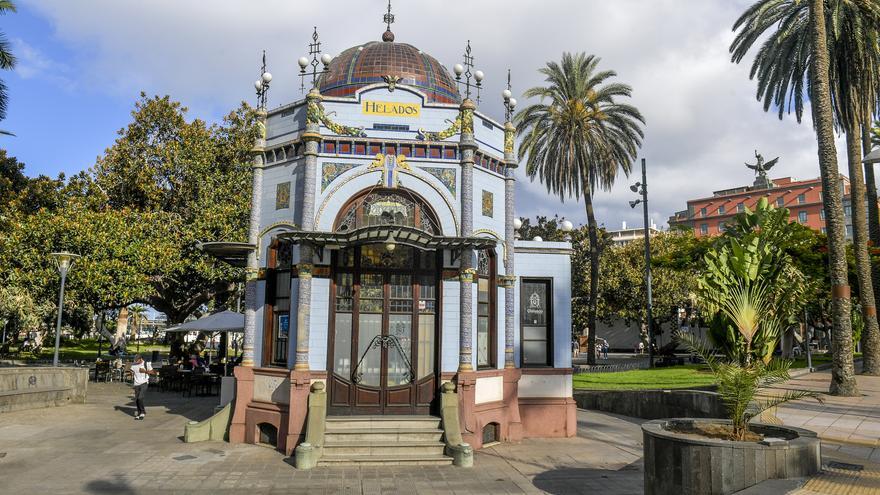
(642, 188)
(64, 261)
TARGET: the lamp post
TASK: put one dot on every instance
(642, 188)
(64, 261)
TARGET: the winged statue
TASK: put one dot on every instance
(761, 168)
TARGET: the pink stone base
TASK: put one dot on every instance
(517, 417)
(548, 417)
(289, 420)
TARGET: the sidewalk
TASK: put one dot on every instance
(851, 424)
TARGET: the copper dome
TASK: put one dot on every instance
(371, 62)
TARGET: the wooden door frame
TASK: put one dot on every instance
(414, 271)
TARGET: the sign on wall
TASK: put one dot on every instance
(391, 108)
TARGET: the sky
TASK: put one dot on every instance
(81, 66)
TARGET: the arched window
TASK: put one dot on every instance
(379, 207)
(487, 349)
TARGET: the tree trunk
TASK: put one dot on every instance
(871, 334)
(871, 194)
(843, 380)
(594, 277)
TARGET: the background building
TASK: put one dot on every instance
(626, 235)
(709, 216)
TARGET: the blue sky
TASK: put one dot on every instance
(60, 124)
(82, 65)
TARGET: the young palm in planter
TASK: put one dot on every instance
(751, 289)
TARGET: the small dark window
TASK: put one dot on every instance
(268, 434)
(491, 433)
(391, 127)
(487, 124)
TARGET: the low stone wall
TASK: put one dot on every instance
(678, 464)
(653, 404)
(33, 387)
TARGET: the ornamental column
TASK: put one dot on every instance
(467, 147)
(509, 279)
(253, 267)
(312, 138)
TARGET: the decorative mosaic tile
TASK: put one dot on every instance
(488, 204)
(282, 195)
(444, 175)
(330, 171)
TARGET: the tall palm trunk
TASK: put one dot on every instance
(871, 332)
(593, 234)
(871, 342)
(843, 380)
(871, 195)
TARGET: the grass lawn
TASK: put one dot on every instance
(658, 378)
(818, 359)
(86, 349)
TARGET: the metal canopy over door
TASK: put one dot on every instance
(383, 330)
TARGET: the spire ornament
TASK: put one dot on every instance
(464, 69)
(314, 52)
(388, 19)
(262, 85)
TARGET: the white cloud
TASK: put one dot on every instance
(703, 120)
(32, 63)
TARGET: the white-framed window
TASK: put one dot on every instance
(740, 207)
(780, 201)
(702, 212)
(704, 229)
(802, 217)
(721, 210)
(802, 198)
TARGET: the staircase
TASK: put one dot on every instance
(383, 440)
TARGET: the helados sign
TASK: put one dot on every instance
(391, 108)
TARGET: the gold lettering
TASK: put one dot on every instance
(391, 109)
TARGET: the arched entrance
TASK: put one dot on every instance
(385, 310)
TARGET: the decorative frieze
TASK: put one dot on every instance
(445, 175)
(330, 171)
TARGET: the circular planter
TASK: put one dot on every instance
(681, 464)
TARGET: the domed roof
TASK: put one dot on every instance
(371, 62)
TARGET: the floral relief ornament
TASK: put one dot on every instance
(441, 135)
(315, 113)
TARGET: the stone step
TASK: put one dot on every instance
(351, 435)
(384, 460)
(383, 449)
(335, 423)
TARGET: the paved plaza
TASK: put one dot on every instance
(97, 448)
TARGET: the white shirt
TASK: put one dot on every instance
(139, 378)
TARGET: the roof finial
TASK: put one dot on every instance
(388, 36)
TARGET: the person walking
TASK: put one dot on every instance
(140, 378)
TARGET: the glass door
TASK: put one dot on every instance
(384, 330)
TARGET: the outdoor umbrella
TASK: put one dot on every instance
(223, 321)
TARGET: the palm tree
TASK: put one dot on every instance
(577, 137)
(137, 313)
(7, 61)
(798, 55)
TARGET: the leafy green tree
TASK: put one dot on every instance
(622, 285)
(577, 137)
(785, 65)
(197, 176)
